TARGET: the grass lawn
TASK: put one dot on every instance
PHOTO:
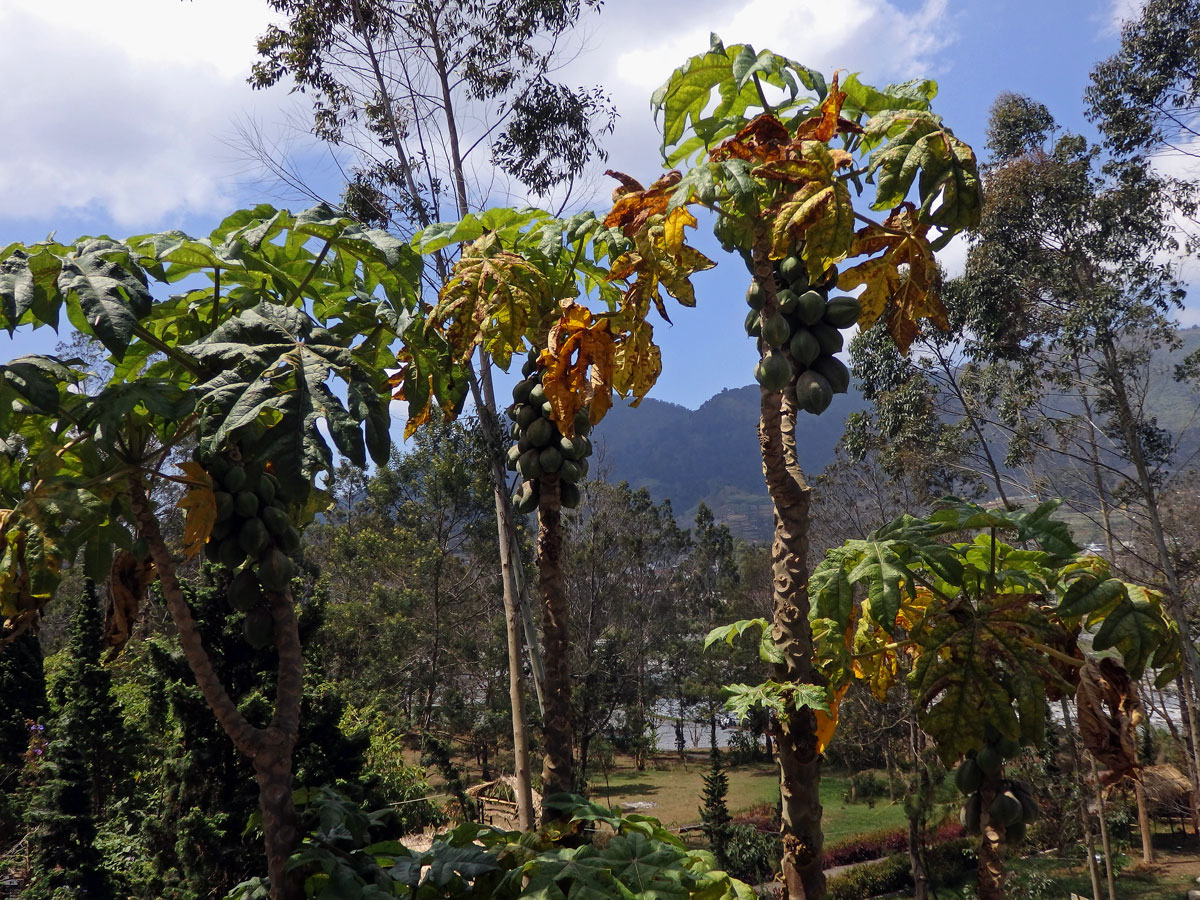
(676, 791)
(1173, 874)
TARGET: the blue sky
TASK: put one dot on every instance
(125, 118)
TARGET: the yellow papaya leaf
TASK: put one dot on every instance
(638, 362)
(827, 721)
(633, 208)
(673, 236)
(902, 284)
(200, 504)
(578, 366)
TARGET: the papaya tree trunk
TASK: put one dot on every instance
(557, 775)
(796, 735)
(269, 749)
(1084, 819)
(990, 862)
(1143, 815)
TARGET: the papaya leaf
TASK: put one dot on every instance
(578, 367)
(200, 505)
(830, 590)
(1088, 594)
(877, 564)
(1136, 630)
(105, 292)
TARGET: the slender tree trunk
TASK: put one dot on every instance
(796, 739)
(1104, 841)
(1084, 819)
(1097, 477)
(1144, 822)
(916, 823)
(269, 749)
(1188, 745)
(557, 775)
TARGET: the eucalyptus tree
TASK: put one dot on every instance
(426, 96)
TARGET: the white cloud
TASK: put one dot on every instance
(1121, 11)
(123, 110)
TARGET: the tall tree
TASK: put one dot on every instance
(420, 91)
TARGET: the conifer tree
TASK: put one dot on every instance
(714, 813)
(23, 686)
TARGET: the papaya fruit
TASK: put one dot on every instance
(810, 307)
(828, 337)
(245, 504)
(572, 470)
(574, 448)
(793, 269)
(547, 410)
(275, 570)
(511, 457)
(253, 537)
(223, 529)
(835, 372)
(813, 393)
(804, 348)
(1030, 811)
(787, 300)
(1005, 809)
(258, 628)
(289, 541)
(969, 815)
(583, 422)
(224, 505)
(229, 553)
(525, 499)
(511, 411)
(218, 465)
(755, 297)
(528, 368)
(276, 520)
(1007, 747)
(515, 432)
(541, 433)
(776, 331)
(967, 777)
(211, 546)
(1015, 833)
(537, 396)
(527, 414)
(550, 460)
(568, 495)
(773, 371)
(989, 760)
(842, 312)
(244, 591)
(529, 464)
(522, 389)
(753, 323)
(265, 490)
(235, 479)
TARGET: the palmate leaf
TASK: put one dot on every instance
(200, 505)
(878, 565)
(976, 667)
(950, 193)
(578, 367)
(580, 873)
(768, 650)
(269, 368)
(1137, 629)
(105, 291)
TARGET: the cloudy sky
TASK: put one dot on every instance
(124, 117)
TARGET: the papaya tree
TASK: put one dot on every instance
(987, 611)
(270, 357)
(778, 153)
(522, 284)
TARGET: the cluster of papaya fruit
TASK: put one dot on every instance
(1013, 808)
(540, 448)
(799, 339)
(253, 534)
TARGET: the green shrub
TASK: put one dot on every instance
(752, 855)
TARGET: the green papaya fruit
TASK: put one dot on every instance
(258, 628)
(835, 372)
(787, 300)
(1030, 811)
(529, 464)
(776, 331)
(275, 570)
(804, 348)
(253, 536)
(211, 547)
(527, 414)
(989, 760)
(547, 410)
(568, 495)
(522, 389)
(528, 368)
(583, 423)
(572, 470)
(244, 592)
(1007, 747)
(793, 269)
(842, 312)
(525, 499)
(813, 393)
(224, 505)
(515, 432)
(968, 777)
(574, 448)
(1005, 809)
(541, 433)
(511, 457)
(550, 460)
(1015, 833)
(245, 504)
(755, 296)
(235, 479)
(218, 465)
(828, 337)
(265, 490)
(753, 323)
(230, 554)
(773, 371)
(289, 541)
(276, 520)
(511, 411)
(969, 816)
(537, 396)
(810, 308)
(224, 528)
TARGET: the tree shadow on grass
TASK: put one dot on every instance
(632, 789)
